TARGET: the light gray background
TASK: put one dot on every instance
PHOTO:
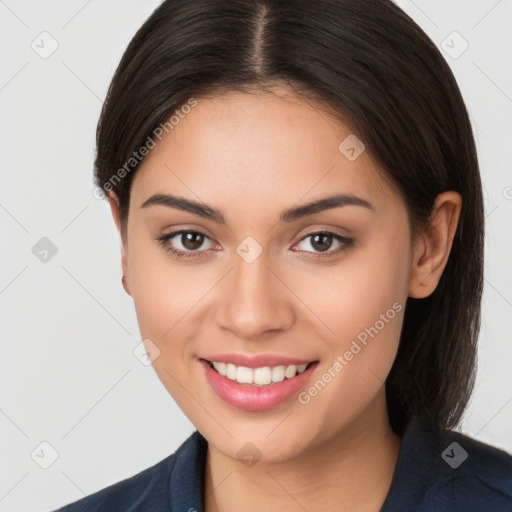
(68, 330)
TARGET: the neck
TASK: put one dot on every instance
(351, 470)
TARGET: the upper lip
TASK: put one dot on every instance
(256, 361)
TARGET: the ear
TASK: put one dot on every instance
(432, 246)
(113, 200)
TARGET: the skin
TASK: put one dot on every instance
(252, 156)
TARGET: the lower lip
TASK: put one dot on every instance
(255, 398)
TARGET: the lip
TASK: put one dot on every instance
(256, 398)
(257, 361)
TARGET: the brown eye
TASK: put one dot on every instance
(186, 244)
(321, 241)
(191, 240)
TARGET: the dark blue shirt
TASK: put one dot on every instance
(437, 471)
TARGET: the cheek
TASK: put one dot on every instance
(166, 298)
(163, 291)
(352, 295)
(361, 303)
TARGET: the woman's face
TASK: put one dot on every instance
(324, 285)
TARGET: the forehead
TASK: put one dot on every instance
(259, 149)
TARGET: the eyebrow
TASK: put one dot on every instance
(203, 210)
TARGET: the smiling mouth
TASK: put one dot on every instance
(263, 376)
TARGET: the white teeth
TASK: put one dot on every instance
(244, 375)
(230, 371)
(262, 376)
(290, 371)
(221, 368)
(258, 376)
(278, 373)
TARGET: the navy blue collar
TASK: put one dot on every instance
(437, 470)
(187, 477)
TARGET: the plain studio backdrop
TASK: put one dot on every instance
(79, 410)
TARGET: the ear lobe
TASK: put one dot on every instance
(116, 215)
(433, 245)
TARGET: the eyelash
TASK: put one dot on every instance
(176, 253)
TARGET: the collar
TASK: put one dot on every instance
(424, 478)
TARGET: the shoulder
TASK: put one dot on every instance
(445, 470)
(148, 485)
(148, 490)
(481, 471)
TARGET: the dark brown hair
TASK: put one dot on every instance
(369, 63)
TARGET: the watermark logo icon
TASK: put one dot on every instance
(352, 147)
(249, 454)
(44, 250)
(45, 45)
(44, 455)
(249, 249)
(454, 45)
(146, 352)
(454, 455)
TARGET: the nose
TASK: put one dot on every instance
(254, 302)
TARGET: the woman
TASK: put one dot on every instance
(298, 196)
